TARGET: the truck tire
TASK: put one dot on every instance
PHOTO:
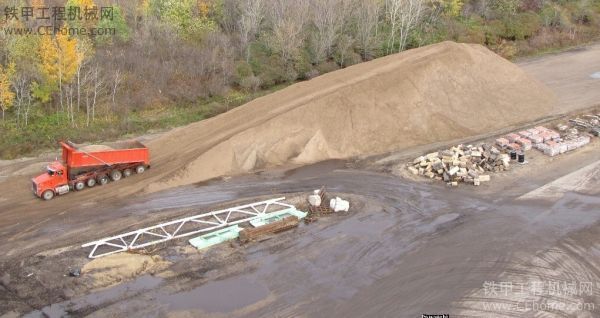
(116, 175)
(48, 195)
(91, 182)
(102, 180)
(79, 185)
(127, 173)
(140, 169)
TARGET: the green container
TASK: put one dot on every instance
(216, 237)
(277, 216)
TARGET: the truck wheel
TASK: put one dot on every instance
(140, 169)
(79, 185)
(116, 175)
(91, 182)
(127, 173)
(102, 180)
(48, 195)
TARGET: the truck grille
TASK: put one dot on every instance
(33, 187)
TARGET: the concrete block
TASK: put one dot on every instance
(413, 170)
(419, 159)
(484, 178)
(452, 171)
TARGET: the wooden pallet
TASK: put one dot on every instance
(316, 211)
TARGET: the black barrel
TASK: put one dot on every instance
(513, 155)
(522, 157)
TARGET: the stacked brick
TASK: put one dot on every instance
(545, 140)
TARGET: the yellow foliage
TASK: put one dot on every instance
(453, 7)
(49, 59)
(203, 8)
(59, 58)
(7, 96)
(82, 4)
(144, 8)
(69, 56)
(38, 4)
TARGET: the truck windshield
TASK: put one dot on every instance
(50, 172)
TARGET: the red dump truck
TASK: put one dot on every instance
(83, 166)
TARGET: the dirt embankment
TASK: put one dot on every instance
(435, 93)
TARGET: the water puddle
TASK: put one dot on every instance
(595, 75)
(96, 299)
(220, 296)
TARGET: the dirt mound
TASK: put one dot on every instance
(434, 93)
(112, 269)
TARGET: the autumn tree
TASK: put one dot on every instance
(452, 8)
(191, 19)
(59, 61)
(7, 96)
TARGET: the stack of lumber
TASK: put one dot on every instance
(256, 233)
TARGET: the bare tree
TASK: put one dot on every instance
(93, 88)
(344, 44)
(367, 19)
(328, 19)
(251, 16)
(20, 84)
(288, 19)
(403, 16)
(116, 81)
(68, 96)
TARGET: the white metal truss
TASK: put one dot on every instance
(163, 232)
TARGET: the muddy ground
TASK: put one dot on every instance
(406, 247)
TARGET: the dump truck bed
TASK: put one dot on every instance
(77, 156)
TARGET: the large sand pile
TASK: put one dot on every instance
(435, 93)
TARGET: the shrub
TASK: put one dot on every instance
(327, 67)
(311, 74)
(251, 83)
(522, 26)
(494, 31)
(242, 70)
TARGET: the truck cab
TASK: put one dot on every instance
(54, 181)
